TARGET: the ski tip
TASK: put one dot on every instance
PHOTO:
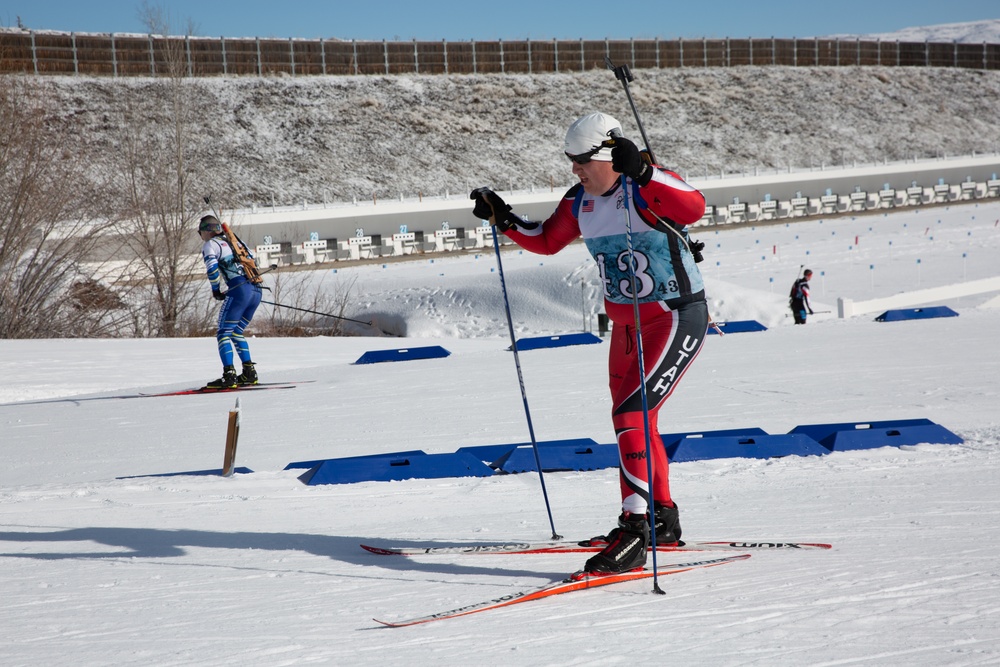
(402, 624)
(380, 552)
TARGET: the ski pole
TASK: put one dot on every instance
(623, 74)
(642, 369)
(520, 376)
(314, 312)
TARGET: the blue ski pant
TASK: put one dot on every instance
(237, 311)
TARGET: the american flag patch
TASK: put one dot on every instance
(588, 206)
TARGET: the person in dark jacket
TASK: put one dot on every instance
(798, 298)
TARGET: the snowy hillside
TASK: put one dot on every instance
(288, 140)
(972, 32)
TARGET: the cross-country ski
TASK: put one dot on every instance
(575, 582)
(585, 546)
(222, 390)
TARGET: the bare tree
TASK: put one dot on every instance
(47, 288)
(157, 207)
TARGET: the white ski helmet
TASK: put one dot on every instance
(587, 133)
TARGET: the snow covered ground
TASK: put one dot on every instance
(103, 562)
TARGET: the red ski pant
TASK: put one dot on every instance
(671, 339)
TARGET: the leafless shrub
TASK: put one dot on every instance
(44, 237)
(306, 310)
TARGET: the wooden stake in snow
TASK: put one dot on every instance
(232, 436)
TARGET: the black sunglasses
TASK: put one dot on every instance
(584, 158)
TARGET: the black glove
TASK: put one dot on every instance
(626, 159)
(490, 206)
(219, 296)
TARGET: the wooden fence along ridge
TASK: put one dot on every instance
(34, 52)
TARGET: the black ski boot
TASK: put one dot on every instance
(626, 549)
(249, 374)
(227, 381)
(668, 525)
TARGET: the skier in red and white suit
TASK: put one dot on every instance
(672, 309)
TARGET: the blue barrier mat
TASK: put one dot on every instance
(556, 341)
(395, 468)
(405, 354)
(886, 433)
(489, 454)
(312, 464)
(671, 440)
(562, 457)
(927, 313)
(746, 447)
(742, 326)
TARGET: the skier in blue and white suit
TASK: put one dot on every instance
(240, 301)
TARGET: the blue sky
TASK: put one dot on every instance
(514, 19)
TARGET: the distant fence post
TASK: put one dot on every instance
(474, 70)
(529, 55)
(260, 68)
(34, 53)
(225, 60)
(416, 60)
(291, 54)
(555, 51)
(444, 44)
(322, 54)
(385, 55)
(114, 57)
